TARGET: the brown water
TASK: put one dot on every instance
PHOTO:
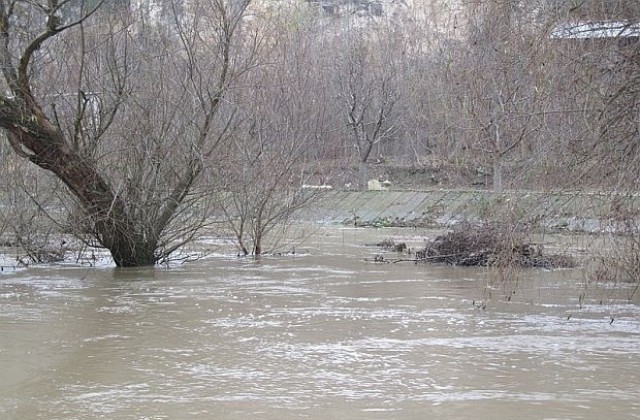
(320, 335)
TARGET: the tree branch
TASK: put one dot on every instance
(52, 28)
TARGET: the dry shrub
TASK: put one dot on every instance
(617, 258)
(490, 244)
(619, 264)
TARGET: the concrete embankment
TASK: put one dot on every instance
(558, 210)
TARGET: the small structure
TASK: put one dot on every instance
(624, 33)
(375, 185)
(316, 187)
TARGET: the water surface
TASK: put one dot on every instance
(322, 334)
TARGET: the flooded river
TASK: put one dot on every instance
(321, 334)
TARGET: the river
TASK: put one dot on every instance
(322, 334)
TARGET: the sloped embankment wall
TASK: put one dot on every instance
(562, 210)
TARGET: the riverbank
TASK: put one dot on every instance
(590, 212)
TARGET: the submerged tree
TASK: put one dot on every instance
(283, 108)
(123, 112)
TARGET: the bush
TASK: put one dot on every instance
(490, 244)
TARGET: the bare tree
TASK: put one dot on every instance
(368, 94)
(283, 110)
(130, 150)
(495, 95)
(593, 76)
(28, 197)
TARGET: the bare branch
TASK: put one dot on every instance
(52, 29)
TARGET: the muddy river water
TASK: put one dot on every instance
(321, 334)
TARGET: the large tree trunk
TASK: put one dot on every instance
(497, 162)
(363, 175)
(112, 225)
(126, 253)
(36, 139)
(497, 174)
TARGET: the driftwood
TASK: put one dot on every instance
(489, 245)
(481, 245)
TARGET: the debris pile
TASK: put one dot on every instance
(391, 245)
(489, 245)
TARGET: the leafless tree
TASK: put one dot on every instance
(28, 198)
(497, 83)
(140, 112)
(283, 109)
(591, 72)
(366, 79)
